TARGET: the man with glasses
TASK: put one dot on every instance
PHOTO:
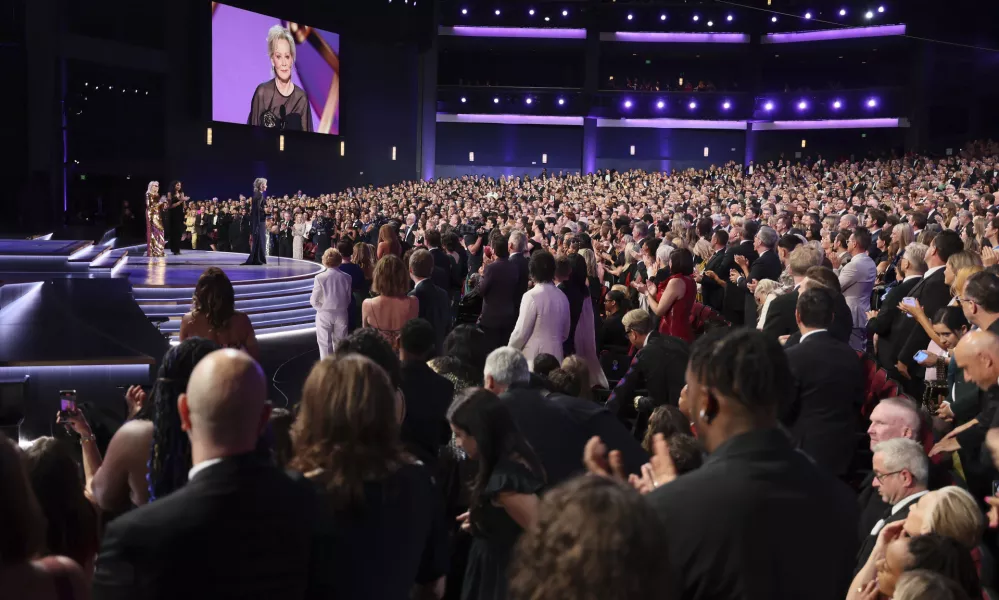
(901, 475)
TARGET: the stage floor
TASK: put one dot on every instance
(185, 269)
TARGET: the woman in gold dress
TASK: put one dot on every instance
(155, 241)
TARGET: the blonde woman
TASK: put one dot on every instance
(766, 291)
(278, 102)
(155, 241)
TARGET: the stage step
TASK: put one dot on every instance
(146, 293)
(146, 296)
(176, 312)
(91, 255)
(264, 333)
(261, 320)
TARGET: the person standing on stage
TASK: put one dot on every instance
(258, 224)
(176, 205)
(154, 221)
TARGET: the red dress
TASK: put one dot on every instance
(676, 321)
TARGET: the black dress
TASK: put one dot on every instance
(268, 102)
(494, 533)
(175, 224)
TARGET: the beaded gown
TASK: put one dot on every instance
(155, 241)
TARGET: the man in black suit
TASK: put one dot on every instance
(767, 264)
(882, 322)
(932, 294)
(658, 366)
(240, 528)
(734, 303)
(842, 324)
(734, 524)
(901, 473)
(714, 294)
(435, 306)
(547, 426)
(518, 246)
(428, 395)
(498, 289)
(828, 386)
(780, 319)
(444, 265)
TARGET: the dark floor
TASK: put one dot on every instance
(287, 362)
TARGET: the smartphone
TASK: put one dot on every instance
(995, 487)
(909, 301)
(67, 400)
(920, 356)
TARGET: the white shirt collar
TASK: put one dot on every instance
(932, 271)
(907, 500)
(908, 277)
(804, 337)
(646, 342)
(201, 466)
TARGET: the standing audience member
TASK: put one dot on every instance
(435, 306)
(23, 573)
(611, 333)
(884, 323)
(240, 528)
(543, 325)
(828, 388)
(427, 394)
(747, 549)
(379, 502)
(504, 497)
(921, 584)
(214, 316)
(856, 279)
(72, 521)
(390, 310)
(498, 289)
(331, 297)
(594, 539)
(780, 317)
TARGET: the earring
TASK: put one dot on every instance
(705, 417)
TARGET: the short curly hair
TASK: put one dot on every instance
(594, 538)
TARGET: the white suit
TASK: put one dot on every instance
(331, 298)
(857, 280)
(543, 323)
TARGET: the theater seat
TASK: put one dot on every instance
(615, 363)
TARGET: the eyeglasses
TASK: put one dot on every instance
(881, 476)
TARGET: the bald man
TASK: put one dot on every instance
(977, 354)
(240, 527)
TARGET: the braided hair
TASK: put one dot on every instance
(170, 456)
(214, 298)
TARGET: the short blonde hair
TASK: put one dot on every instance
(276, 34)
(332, 258)
(961, 278)
(638, 320)
(955, 514)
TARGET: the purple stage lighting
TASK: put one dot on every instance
(711, 23)
(696, 18)
(495, 100)
(808, 15)
(768, 106)
(547, 19)
(464, 11)
(834, 34)
(565, 13)
(838, 104)
(726, 105)
(842, 12)
(730, 18)
(773, 19)
(660, 105)
(529, 101)
(881, 9)
(464, 99)
(561, 101)
(692, 105)
(872, 102)
(802, 105)
(868, 15)
(497, 12)
(531, 12)
(627, 103)
(630, 16)
(662, 17)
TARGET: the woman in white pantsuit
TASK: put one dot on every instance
(331, 298)
(543, 323)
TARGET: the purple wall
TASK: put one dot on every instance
(507, 149)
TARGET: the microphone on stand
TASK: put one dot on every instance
(282, 122)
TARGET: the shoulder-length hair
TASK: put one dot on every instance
(387, 233)
(347, 432)
(258, 183)
(21, 518)
(149, 188)
(362, 257)
(487, 419)
(276, 34)
(214, 298)
(172, 190)
(390, 278)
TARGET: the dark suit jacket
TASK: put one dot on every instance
(828, 393)
(867, 546)
(766, 266)
(499, 289)
(733, 525)
(780, 315)
(933, 294)
(734, 304)
(659, 367)
(840, 329)
(611, 333)
(549, 429)
(435, 307)
(241, 528)
(883, 324)
(596, 420)
(428, 396)
(714, 294)
(523, 275)
(444, 268)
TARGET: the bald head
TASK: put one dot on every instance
(225, 406)
(977, 354)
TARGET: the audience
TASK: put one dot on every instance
(427, 394)
(214, 316)
(390, 310)
(331, 297)
(545, 325)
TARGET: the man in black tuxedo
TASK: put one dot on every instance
(549, 429)
(714, 294)
(408, 233)
(767, 264)
(734, 304)
(882, 322)
(498, 289)
(901, 476)
(518, 246)
(828, 386)
(240, 528)
(444, 265)
(435, 306)
(842, 324)
(658, 366)
(933, 294)
(722, 543)
(428, 395)
(780, 318)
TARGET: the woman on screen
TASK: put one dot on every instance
(279, 102)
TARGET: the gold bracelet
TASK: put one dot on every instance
(89, 438)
